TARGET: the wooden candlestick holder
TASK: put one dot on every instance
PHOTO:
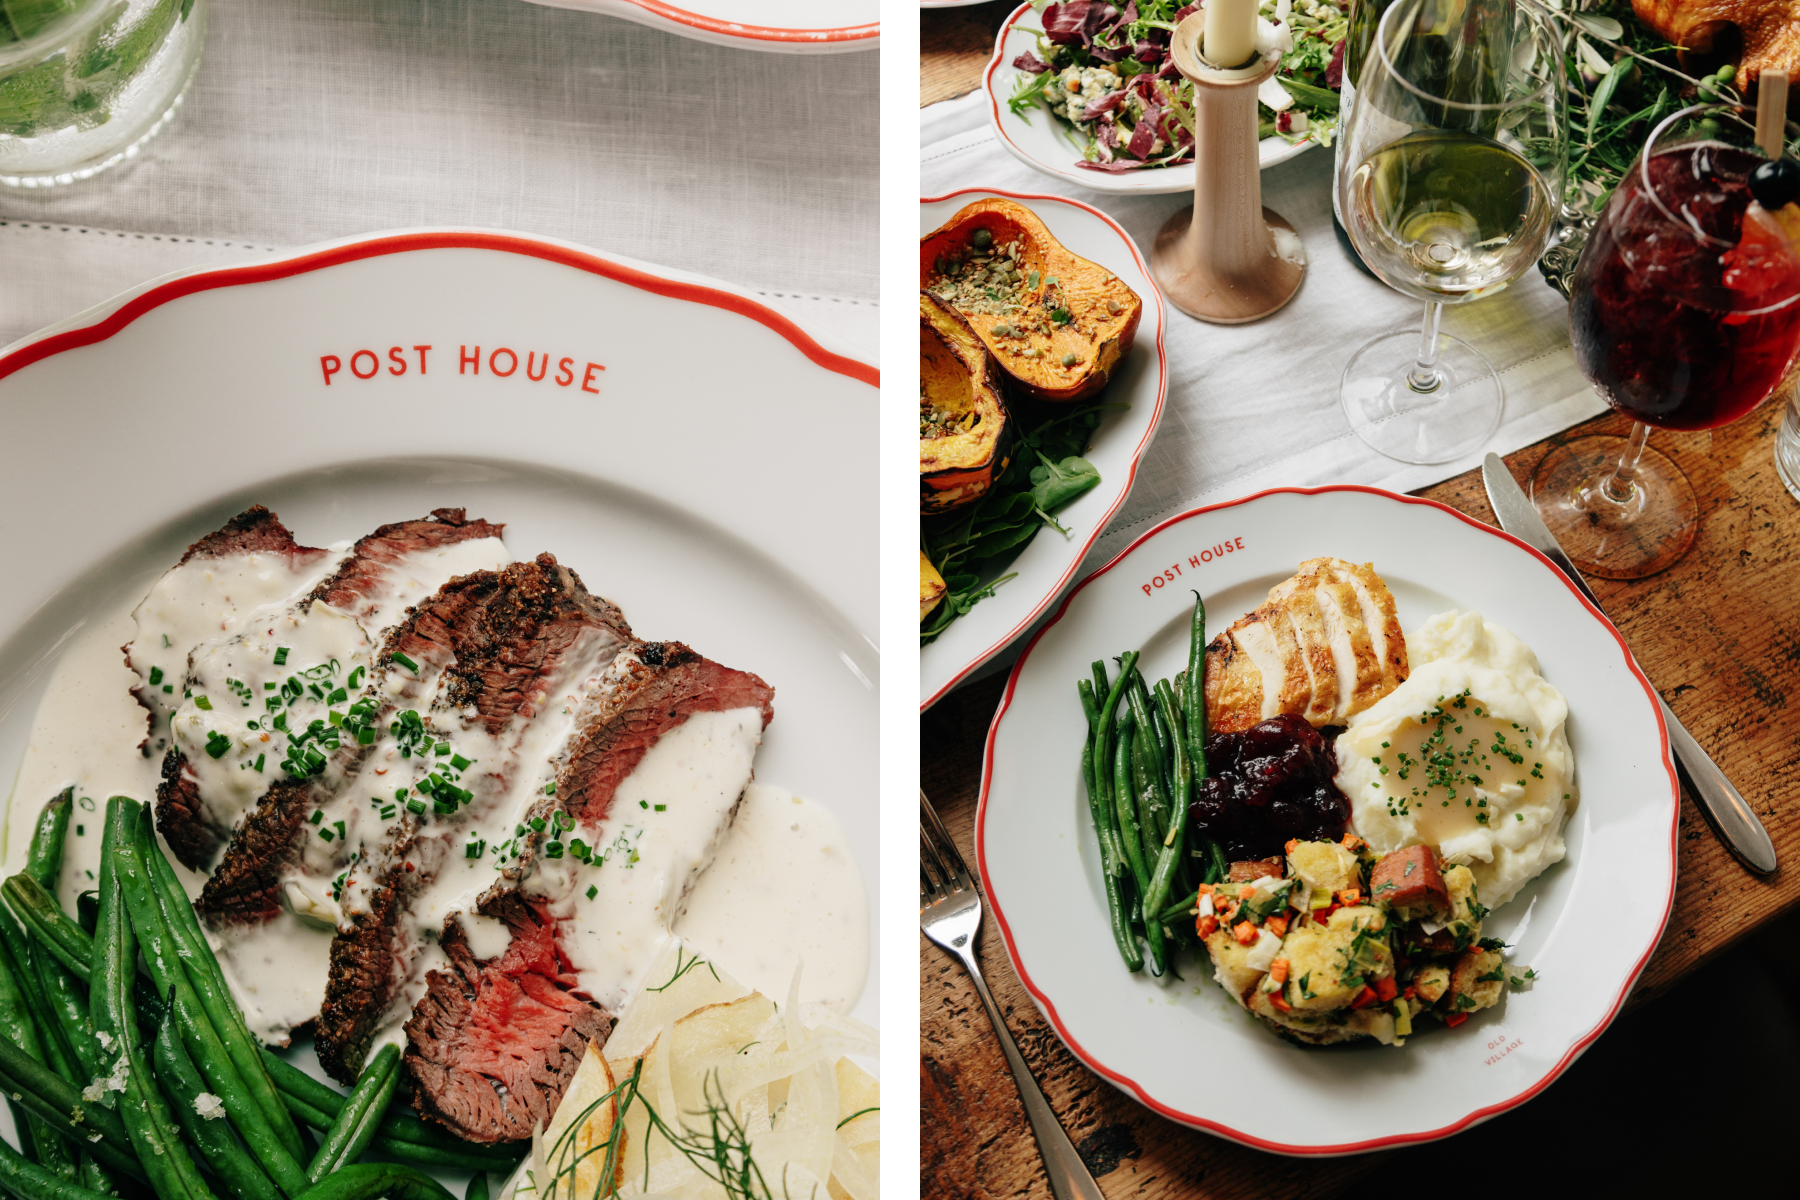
(1220, 260)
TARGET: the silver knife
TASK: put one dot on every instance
(1743, 834)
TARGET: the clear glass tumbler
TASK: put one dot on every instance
(85, 83)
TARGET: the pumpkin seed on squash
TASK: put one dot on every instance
(1069, 360)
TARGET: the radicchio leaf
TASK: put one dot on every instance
(1334, 70)
(1074, 23)
(1104, 104)
(1030, 63)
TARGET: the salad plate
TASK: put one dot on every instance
(781, 26)
(1178, 1045)
(1140, 382)
(1045, 143)
(354, 383)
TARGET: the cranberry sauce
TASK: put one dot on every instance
(1267, 784)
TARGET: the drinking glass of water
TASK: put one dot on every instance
(85, 83)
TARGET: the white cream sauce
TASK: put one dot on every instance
(783, 890)
(785, 884)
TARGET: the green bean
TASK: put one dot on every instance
(368, 1181)
(318, 1105)
(1182, 909)
(17, 1026)
(24, 1178)
(57, 1101)
(1218, 869)
(171, 1169)
(211, 1136)
(71, 944)
(1101, 687)
(1194, 714)
(1147, 701)
(1148, 767)
(1109, 876)
(478, 1187)
(194, 1024)
(355, 1126)
(1174, 847)
(1103, 737)
(479, 1158)
(207, 979)
(68, 1001)
(44, 862)
(1124, 807)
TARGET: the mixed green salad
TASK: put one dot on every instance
(1105, 74)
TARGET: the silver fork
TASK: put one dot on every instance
(950, 915)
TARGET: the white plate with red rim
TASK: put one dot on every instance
(1045, 143)
(779, 26)
(1185, 1049)
(1141, 381)
(585, 422)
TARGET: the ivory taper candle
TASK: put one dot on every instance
(1229, 38)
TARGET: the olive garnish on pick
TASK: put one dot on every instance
(1776, 183)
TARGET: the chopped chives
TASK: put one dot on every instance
(550, 789)
(410, 665)
(168, 689)
(156, 676)
(643, 804)
(387, 814)
(318, 815)
(203, 702)
(415, 805)
(442, 749)
(553, 849)
(259, 762)
(662, 808)
(461, 763)
(326, 834)
(537, 824)
(592, 891)
(281, 653)
(338, 696)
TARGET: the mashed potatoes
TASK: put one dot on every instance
(1468, 755)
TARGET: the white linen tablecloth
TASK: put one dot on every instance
(318, 119)
(1256, 406)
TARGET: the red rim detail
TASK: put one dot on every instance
(1125, 1082)
(1137, 455)
(760, 33)
(209, 280)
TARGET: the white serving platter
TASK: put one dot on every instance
(1141, 381)
(663, 473)
(780, 26)
(1043, 143)
(1185, 1049)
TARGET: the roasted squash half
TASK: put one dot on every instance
(931, 587)
(965, 432)
(1055, 322)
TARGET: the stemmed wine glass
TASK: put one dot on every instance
(1684, 314)
(1449, 184)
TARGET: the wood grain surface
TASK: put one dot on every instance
(1718, 634)
(955, 45)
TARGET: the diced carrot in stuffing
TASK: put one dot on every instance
(1366, 996)
(1352, 843)
(1385, 989)
(1410, 877)
(1206, 926)
(1246, 933)
(1279, 1001)
(1322, 915)
(1349, 896)
(1410, 992)
(1278, 970)
(1277, 926)
(1291, 843)
(1254, 868)
(1455, 1019)
(1245, 892)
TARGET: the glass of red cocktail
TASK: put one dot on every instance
(1684, 314)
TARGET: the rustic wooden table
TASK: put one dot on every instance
(1719, 636)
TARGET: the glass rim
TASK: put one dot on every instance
(52, 38)
(1538, 17)
(1711, 108)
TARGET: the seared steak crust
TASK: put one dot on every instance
(246, 889)
(668, 684)
(500, 636)
(256, 530)
(364, 968)
(373, 556)
(502, 633)
(493, 1044)
(180, 815)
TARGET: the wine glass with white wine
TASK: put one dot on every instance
(1450, 181)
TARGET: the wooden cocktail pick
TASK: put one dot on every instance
(1227, 259)
(1771, 111)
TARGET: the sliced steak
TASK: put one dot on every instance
(493, 1044)
(661, 685)
(495, 642)
(374, 576)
